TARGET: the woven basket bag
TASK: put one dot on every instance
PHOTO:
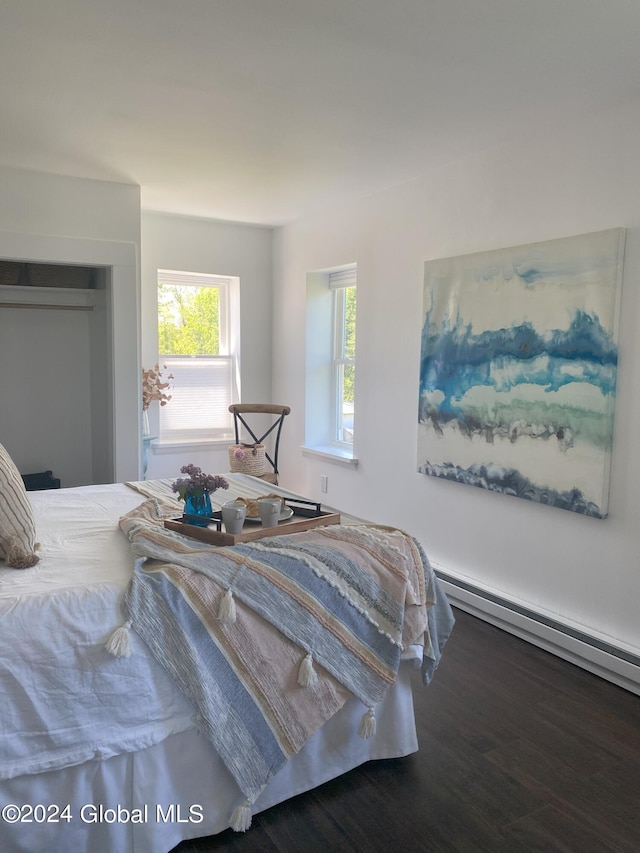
(247, 459)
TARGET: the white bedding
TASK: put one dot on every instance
(115, 731)
(184, 771)
(71, 700)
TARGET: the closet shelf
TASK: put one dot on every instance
(48, 298)
(41, 305)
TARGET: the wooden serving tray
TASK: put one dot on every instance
(306, 520)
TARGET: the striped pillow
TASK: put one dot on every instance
(17, 528)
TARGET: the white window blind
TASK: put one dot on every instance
(343, 278)
(201, 396)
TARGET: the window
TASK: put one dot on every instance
(197, 341)
(330, 364)
(343, 287)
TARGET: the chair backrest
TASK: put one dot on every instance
(239, 410)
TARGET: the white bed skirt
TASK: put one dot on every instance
(180, 789)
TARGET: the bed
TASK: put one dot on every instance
(100, 750)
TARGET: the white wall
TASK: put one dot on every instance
(45, 373)
(555, 182)
(51, 218)
(199, 245)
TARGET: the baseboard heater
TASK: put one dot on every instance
(601, 658)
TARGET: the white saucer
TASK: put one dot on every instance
(285, 515)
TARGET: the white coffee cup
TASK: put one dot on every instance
(233, 516)
(269, 509)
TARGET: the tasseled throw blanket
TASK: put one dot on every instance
(269, 639)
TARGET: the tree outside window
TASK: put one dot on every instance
(188, 320)
(345, 362)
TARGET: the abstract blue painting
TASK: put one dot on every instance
(518, 370)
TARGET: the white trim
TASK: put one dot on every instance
(160, 447)
(77, 251)
(202, 375)
(561, 640)
(321, 419)
(332, 454)
(122, 423)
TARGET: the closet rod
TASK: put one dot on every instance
(47, 306)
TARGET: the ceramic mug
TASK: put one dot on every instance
(269, 509)
(233, 515)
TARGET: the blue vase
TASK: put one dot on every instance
(197, 510)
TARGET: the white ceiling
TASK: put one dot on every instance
(262, 111)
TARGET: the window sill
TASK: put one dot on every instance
(338, 455)
(175, 445)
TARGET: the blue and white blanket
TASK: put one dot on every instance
(269, 639)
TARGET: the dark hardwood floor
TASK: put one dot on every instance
(519, 751)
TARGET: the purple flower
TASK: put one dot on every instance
(197, 483)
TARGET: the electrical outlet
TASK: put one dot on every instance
(324, 484)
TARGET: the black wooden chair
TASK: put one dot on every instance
(239, 410)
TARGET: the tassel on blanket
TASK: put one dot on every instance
(227, 609)
(367, 727)
(307, 676)
(241, 817)
(119, 643)
(18, 558)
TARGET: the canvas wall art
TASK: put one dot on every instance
(518, 370)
